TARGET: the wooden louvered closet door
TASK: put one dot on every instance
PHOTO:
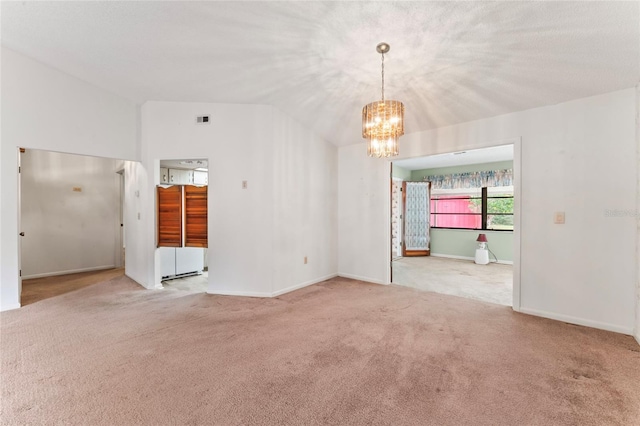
(170, 216)
(195, 202)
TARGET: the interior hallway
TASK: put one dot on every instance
(36, 289)
(489, 283)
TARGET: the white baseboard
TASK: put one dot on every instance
(360, 278)
(451, 256)
(275, 293)
(578, 321)
(10, 307)
(239, 293)
(70, 271)
(305, 284)
(135, 280)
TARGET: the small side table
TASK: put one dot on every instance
(482, 256)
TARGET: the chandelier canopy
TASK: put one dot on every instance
(383, 121)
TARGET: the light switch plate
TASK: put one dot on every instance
(558, 218)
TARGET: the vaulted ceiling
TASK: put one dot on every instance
(450, 62)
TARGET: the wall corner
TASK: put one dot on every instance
(637, 278)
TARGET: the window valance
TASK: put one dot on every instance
(488, 178)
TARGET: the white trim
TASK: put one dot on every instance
(275, 293)
(452, 256)
(304, 284)
(637, 277)
(70, 271)
(517, 187)
(239, 293)
(517, 221)
(10, 307)
(135, 280)
(387, 228)
(578, 321)
(359, 278)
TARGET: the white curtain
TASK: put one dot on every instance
(416, 232)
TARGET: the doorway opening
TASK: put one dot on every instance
(472, 221)
(70, 222)
(182, 225)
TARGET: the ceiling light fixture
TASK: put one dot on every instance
(383, 121)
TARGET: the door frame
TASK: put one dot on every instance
(517, 209)
(21, 151)
(119, 255)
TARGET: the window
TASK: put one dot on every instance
(473, 208)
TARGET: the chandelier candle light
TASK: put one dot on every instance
(383, 121)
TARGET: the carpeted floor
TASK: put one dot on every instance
(342, 352)
(489, 283)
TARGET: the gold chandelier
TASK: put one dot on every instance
(383, 121)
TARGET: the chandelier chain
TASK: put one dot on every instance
(383, 77)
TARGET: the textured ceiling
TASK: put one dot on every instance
(450, 62)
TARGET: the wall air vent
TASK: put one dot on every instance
(202, 119)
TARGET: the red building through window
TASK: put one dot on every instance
(455, 211)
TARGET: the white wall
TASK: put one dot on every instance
(43, 108)
(137, 266)
(288, 171)
(363, 213)
(67, 231)
(578, 157)
(305, 207)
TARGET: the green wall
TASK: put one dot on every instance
(462, 243)
(500, 165)
(399, 172)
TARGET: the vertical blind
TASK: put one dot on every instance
(416, 222)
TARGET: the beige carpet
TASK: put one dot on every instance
(342, 352)
(489, 283)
